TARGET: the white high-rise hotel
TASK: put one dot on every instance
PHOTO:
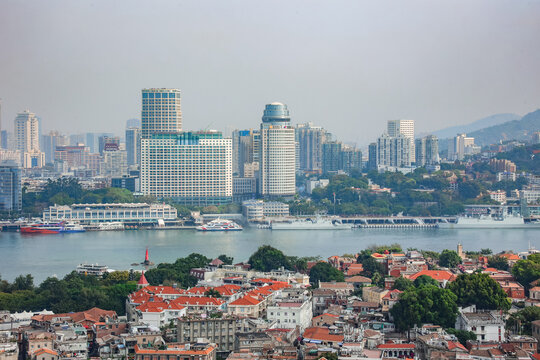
(189, 167)
(161, 112)
(27, 134)
(277, 156)
(405, 127)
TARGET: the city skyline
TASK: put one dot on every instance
(440, 64)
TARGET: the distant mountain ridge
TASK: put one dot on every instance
(486, 122)
(521, 129)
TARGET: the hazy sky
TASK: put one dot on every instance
(346, 65)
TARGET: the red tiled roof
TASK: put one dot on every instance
(164, 290)
(197, 300)
(389, 294)
(153, 307)
(454, 344)
(142, 280)
(246, 301)
(322, 334)
(439, 275)
(92, 315)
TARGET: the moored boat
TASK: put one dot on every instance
(490, 222)
(220, 225)
(48, 228)
(317, 223)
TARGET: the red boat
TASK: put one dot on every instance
(42, 228)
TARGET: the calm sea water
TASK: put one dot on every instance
(48, 255)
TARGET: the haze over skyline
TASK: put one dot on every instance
(345, 65)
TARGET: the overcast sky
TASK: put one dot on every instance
(345, 65)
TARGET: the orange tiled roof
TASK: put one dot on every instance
(509, 256)
(45, 351)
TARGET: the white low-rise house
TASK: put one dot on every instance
(160, 313)
(487, 325)
(71, 342)
(292, 309)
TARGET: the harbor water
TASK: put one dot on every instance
(56, 255)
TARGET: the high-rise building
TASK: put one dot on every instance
(161, 112)
(310, 140)
(27, 131)
(351, 159)
(245, 145)
(10, 187)
(393, 151)
(113, 162)
(331, 156)
(460, 146)
(427, 150)
(92, 141)
(190, 168)
(405, 127)
(133, 146)
(4, 139)
(372, 156)
(277, 153)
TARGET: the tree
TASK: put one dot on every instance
(520, 322)
(267, 258)
(323, 271)
(23, 283)
(498, 262)
(449, 259)
(402, 284)
(227, 260)
(372, 266)
(118, 276)
(480, 290)
(424, 280)
(427, 304)
(526, 271)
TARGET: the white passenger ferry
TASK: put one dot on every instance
(220, 225)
